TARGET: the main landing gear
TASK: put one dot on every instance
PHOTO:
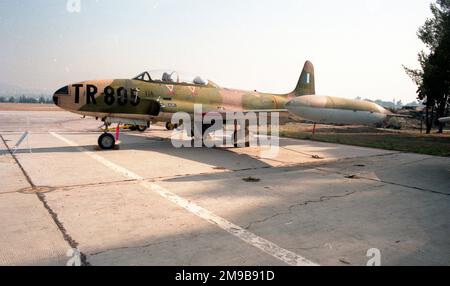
(170, 126)
(140, 128)
(236, 141)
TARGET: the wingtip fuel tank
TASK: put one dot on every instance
(335, 110)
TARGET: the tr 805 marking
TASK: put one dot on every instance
(110, 95)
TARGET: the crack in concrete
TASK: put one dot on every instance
(71, 187)
(416, 161)
(142, 246)
(72, 243)
(309, 248)
(314, 156)
(156, 179)
(291, 207)
(359, 177)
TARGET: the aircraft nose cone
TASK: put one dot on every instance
(55, 99)
(64, 91)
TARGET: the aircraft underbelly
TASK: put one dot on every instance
(163, 117)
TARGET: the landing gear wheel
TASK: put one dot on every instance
(170, 126)
(106, 141)
(142, 128)
(236, 142)
(194, 138)
(235, 139)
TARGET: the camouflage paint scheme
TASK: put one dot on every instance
(331, 102)
(159, 100)
(172, 98)
(182, 98)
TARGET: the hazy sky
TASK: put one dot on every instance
(357, 46)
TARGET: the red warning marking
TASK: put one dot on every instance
(118, 132)
(170, 88)
(192, 89)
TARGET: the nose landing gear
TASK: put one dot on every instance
(107, 141)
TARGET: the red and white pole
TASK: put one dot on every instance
(118, 132)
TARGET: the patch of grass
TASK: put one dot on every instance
(412, 143)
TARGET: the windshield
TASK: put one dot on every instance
(143, 76)
(171, 77)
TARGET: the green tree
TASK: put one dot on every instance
(433, 79)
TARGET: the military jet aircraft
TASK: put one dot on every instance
(444, 120)
(154, 96)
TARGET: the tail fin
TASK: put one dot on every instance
(306, 84)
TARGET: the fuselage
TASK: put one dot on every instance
(157, 95)
(153, 101)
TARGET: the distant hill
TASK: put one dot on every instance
(8, 90)
(16, 94)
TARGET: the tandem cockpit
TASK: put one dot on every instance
(173, 77)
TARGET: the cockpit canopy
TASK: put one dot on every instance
(169, 77)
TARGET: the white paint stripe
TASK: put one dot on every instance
(268, 247)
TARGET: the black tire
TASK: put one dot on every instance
(106, 141)
(133, 128)
(142, 128)
(236, 141)
(170, 126)
(204, 129)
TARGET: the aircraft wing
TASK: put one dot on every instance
(264, 110)
(256, 111)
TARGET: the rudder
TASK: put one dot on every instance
(306, 84)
